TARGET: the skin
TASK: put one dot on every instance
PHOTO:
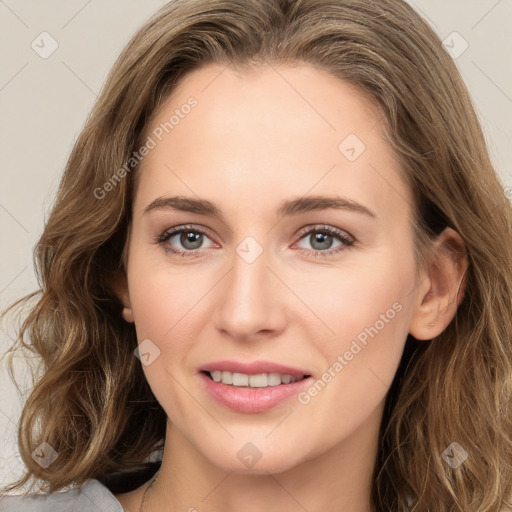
(254, 140)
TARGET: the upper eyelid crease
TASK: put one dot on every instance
(287, 207)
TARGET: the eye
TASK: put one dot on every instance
(321, 239)
(190, 238)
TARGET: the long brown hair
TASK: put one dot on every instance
(92, 403)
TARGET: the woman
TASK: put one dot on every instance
(280, 252)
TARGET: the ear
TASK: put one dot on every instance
(441, 287)
(119, 285)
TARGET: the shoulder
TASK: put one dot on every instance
(91, 496)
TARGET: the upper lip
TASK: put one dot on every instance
(253, 368)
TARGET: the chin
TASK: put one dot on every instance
(255, 459)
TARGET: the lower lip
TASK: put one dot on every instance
(252, 399)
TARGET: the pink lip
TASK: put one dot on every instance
(252, 400)
(254, 368)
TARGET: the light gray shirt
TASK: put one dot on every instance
(91, 496)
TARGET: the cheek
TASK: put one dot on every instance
(164, 304)
(161, 292)
(368, 312)
(355, 301)
(171, 306)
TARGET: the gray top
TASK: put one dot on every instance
(91, 496)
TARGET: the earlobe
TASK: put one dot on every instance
(437, 301)
(119, 285)
(127, 314)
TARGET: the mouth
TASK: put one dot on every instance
(259, 380)
(253, 386)
(251, 392)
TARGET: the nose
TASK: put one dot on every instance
(250, 300)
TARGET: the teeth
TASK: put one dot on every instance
(258, 381)
(240, 379)
(262, 380)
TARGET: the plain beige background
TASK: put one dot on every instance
(45, 99)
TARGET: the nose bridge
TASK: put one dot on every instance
(249, 301)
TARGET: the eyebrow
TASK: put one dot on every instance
(286, 208)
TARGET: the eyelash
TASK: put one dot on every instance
(345, 240)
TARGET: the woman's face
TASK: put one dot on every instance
(302, 257)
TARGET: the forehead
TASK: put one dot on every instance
(268, 132)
